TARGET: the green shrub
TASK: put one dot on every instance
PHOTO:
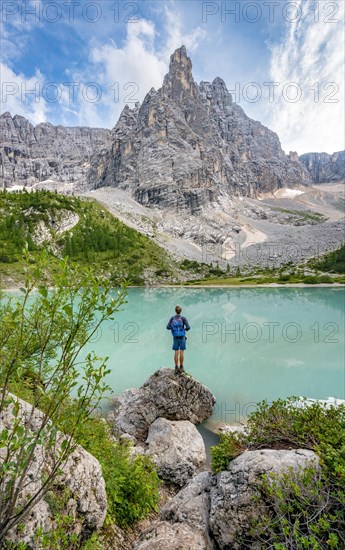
(216, 271)
(136, 280)
(93, 543)
(9, 545)
(325, 279)
(284, 277)
(300, 512)
(132, 486)
(333, 262)
(311, 280)
(162, 273)
(307, 508)
(131, 483)
(190, 265)
(61, 538)
(229, 447)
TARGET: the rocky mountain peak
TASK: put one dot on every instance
(185, 146)
(179, 81)
(180, 63)
(216, 93)
(7, 114)
(189, 144)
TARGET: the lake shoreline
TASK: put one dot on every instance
(259, 285)
(264, 285)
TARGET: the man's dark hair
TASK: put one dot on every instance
(178, 309)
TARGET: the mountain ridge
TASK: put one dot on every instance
(187, 144)
(324, 167)
(32, 154)
(313, 161)
(183, 147)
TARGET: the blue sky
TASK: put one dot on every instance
(83, 60)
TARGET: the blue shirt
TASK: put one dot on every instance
(184, 320)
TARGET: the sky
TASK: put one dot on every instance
(79, 62)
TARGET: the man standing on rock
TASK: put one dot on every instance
(178, 326)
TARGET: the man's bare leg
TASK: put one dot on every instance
(176, 359)
(181, 358)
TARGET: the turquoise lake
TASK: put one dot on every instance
(245, 344)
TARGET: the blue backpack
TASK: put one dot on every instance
(177, 327)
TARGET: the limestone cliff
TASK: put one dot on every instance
(187, 144)
(32, 154)
(324, 168)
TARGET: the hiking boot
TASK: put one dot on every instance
(181, 369)
(177, 370)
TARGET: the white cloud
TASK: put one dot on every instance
(15, 28)
(312, 56)
(123, 72)
(126, 73)
(136, 61)
(22, 95)
(175, 36)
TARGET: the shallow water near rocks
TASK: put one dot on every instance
(245, 344)
(210, 439)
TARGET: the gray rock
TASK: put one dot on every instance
(330, 402)
(165, 394)
(81, 479)
(323, 167)
(192, 506)
(187, 144)
(234, 428)
(171, 536)
(183, 147)
(130, 439)
(33, 154)
(233, 506)
(176, 448)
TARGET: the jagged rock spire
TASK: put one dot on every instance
(179, 81)
(183, 147)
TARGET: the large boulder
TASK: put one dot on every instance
(192, 506)
(176, 448)
(170, 536)
(233, 502)
(78, 491)
(165, 394)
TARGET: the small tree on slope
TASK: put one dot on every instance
(42, 335)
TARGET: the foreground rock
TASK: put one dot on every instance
(165, 394)
(192, 507)
(80, 486)
(217, 511)
(183, 521)
(170, 536)
(233, 503)
(176, 448)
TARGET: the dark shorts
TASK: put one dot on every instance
(179, 343)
